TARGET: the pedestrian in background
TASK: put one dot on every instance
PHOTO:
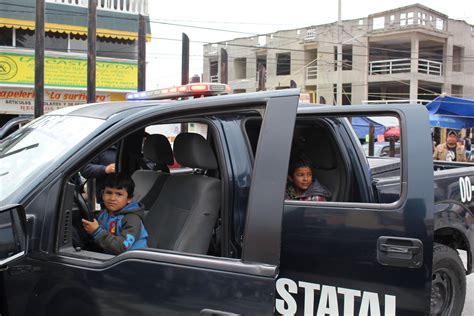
(98, 168)
(451, 150)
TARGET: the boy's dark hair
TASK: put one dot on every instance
(120, 181)
(299, 161)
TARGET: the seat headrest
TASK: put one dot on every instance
(194, 151)
(157, 148)
(318, 146)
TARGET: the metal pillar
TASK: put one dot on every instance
(91, 51)
(185, 60)
(141, 53)
(39, 58)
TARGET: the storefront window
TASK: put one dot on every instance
(6, 36)
(25, 38)
(56, 41)
(108, 47)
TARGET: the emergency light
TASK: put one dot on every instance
(185, 91)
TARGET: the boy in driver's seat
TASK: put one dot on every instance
(119, 226)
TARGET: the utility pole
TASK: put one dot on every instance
(91, 51)
(185, 60)
(339, 55)
(141, 53)
(91, 76)
(39, 58)
(224, 77)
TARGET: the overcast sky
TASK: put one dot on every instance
(170, 19)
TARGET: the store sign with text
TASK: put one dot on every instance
(22, 101)
(18, 69)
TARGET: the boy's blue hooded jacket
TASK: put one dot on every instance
(122, 230)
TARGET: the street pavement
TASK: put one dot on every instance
(469, 304)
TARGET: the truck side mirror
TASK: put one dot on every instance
(13, 241)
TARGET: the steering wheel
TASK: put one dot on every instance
(82, 206)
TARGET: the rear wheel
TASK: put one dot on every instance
(448, 287)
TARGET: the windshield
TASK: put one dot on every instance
(27, 152)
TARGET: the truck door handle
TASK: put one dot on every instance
(400, 252)
(213, 312)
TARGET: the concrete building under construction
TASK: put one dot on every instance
(412, 53)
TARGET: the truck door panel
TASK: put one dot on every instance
(360, 258)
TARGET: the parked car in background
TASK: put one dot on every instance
(382, 149)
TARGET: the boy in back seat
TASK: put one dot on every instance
(301, 185)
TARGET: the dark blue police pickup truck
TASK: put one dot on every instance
(222, 238)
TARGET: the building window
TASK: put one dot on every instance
(55, 41)
(347, 94)
(346, 57)
(261, 62)
(392, 19)
(458, 53)
(213, 71)
(410, 18)
(310, 34)
(6, 36)
(403, 19)
(456, 91)
(78, 43)
(439, 24)
(283, 64)
(117, 48)
(25, 38)
(240, 68)
(378, 23)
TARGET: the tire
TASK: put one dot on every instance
(448, 287)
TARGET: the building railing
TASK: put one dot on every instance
(123, 6)
(430, 67)
(403, 65)
(311, 72)
(214, 79)
(390, 66)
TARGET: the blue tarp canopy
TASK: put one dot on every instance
(361, 126)
(451, 112)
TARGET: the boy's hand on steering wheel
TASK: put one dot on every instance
(90, 227)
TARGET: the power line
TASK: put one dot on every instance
(224, 30)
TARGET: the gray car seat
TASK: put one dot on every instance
(184, 215)
(149, 183)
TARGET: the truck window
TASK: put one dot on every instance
(179, 211)
(330, 156)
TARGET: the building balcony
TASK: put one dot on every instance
(403, 65)
(122, 6)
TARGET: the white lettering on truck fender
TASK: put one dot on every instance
(328, 300)
(465, 189)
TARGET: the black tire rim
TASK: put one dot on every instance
(442, 292)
